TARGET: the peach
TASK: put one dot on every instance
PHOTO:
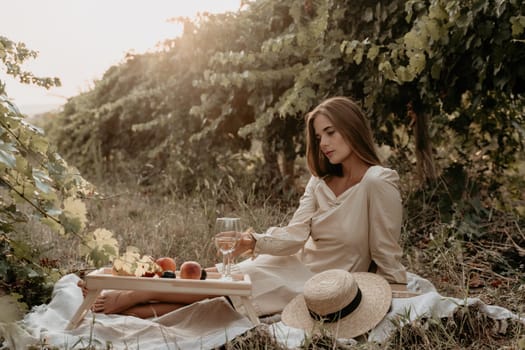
(166, 264)
(191, 270)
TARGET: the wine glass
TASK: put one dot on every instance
(228, 235)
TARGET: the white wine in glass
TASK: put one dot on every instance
(228, 235)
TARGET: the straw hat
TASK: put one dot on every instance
(346, 304)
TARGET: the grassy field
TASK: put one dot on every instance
(182, 227)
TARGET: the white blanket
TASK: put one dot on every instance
(203, 325)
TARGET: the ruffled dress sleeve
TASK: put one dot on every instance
(288, 240)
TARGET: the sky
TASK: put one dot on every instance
(78, 40)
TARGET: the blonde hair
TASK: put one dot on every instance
(349, 120)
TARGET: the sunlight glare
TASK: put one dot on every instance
(79, 40)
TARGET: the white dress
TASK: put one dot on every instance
(358, 229)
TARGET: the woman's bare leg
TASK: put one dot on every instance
(151, 310)
(118, 301)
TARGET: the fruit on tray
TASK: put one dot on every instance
(165, 264)
(191, 270)
(120, 272)
(131, 264)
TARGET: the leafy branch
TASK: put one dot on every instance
(34, 174)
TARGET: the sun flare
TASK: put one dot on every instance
(78, 41)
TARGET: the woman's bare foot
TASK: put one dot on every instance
(117, 301)
(139, 303)
(82, 285)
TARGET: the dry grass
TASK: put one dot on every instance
(468, 328)
(257, 338)
(490, 269)
(183, 227)
(179, 227)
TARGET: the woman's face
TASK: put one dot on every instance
(331, 142)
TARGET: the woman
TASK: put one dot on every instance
(349, 217)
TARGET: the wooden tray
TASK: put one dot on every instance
(98, 280)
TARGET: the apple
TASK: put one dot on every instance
(191, 270)
(166, 264)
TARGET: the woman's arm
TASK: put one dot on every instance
(385, 212)
(289, 239)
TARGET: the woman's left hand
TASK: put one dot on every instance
(246, 243)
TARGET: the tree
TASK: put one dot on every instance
(440, 80)
(35, 180)
(409, 62)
